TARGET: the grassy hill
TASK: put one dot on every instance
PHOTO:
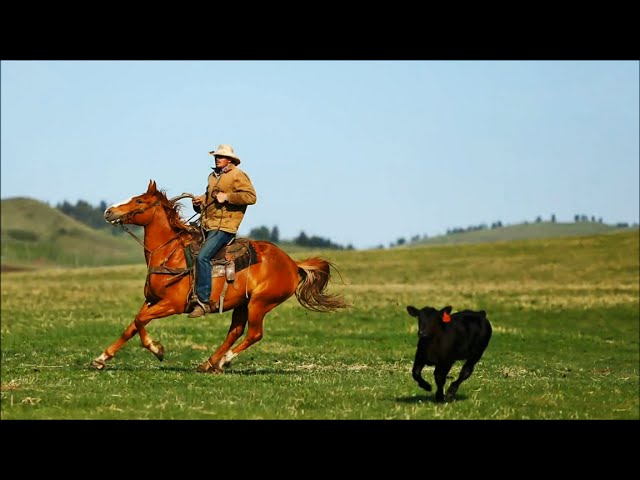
(35, 234)
(523, 231)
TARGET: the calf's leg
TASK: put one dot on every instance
(465, 372)
(419, 362)
(440, 374)
(418, 365)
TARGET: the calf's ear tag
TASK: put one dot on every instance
(446, 318)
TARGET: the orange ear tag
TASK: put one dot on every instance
(446, 318)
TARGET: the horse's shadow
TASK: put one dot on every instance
(187, 369)
(266, 371)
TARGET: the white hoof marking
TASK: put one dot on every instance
(227, 357)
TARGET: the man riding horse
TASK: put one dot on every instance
(264, 283)
(222, 208)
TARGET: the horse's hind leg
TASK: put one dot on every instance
(145, 315)
(257, 309)
(239, 319)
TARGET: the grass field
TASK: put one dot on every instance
(565, 312)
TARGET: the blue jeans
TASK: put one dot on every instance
(216, 239)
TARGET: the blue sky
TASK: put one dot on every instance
(360, 152)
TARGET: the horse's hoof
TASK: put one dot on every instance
(206, 367)
(203, 368)
(97, 364)
(158, 350)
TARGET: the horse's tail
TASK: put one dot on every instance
(315, 274)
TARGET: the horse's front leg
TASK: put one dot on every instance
(144, 316)
(100, 362)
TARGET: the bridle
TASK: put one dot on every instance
(128, 216)
(177, 273)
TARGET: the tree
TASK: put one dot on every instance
(302, 239)
(260, 233)
(85, 213)
(316, 242)
(275, 234)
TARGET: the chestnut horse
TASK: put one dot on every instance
(256, 289)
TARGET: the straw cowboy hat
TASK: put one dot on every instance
(225, 150)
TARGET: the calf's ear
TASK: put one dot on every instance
(447, 309)
(413, 311)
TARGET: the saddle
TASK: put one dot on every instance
(234, 257)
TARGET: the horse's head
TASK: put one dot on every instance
(137, 210)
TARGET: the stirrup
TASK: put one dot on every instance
(205, 306)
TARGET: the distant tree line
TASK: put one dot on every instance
(498, 224)
(92, 216)
(578, 218)
(318, 242)
(263, 233)
(303, 240)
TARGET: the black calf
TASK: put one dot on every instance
(445, 338)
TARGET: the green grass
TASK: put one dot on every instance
(565, 313)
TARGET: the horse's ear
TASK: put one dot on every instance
(152, 187)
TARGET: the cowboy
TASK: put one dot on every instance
(222, 208)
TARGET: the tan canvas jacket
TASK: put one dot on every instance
(228, 215)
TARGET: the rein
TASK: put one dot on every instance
(127, 216)
(178, 273)
(177, 235)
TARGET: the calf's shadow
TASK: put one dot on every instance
(429, 398)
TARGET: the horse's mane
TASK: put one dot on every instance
(173, 212)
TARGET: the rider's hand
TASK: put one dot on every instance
(198, 200)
